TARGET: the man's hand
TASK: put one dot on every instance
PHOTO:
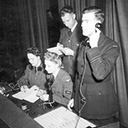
(67, 51)
(70, 104)
(93, 39)
(59, 45)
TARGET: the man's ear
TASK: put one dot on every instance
(38, 57)
(74, 16)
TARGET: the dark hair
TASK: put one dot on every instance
(97, 11)
(34, 50)
(66, 9)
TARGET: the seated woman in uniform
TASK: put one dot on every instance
(62, 85)
(34, 72)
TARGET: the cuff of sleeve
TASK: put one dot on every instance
(93, 54)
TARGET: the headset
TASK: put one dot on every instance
(99, 26)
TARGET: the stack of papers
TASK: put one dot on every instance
(61, 50)
(29, 95)
(55, 50)
(62, 118)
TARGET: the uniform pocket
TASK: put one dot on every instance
(105, 88)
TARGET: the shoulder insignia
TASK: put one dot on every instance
(68, 92)
(68, 80)
(115, 46)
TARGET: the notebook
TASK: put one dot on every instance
(29, 95)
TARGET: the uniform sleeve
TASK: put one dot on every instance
(24, 79)
(68, 88)
(64, 95)
(103, 62)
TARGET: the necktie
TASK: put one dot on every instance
(69, 32)
(35, 69)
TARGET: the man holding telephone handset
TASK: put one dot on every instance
(94, 97)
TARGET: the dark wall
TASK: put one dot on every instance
(10, 40)
(54, 23)
(11, 36)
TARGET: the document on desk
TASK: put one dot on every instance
(62, 118)
(29, 95)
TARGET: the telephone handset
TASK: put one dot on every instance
(99, 26)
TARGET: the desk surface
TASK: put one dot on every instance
(33, 109)
(14, 117)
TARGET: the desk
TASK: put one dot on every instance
(33, 109)
(14, 117)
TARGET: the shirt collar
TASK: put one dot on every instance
(55, 74)
(72, 29)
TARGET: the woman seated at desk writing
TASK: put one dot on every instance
(34, 72)
(62, 85)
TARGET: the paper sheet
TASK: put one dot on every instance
(29, 95)
(62, 118)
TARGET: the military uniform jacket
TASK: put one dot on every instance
(97, 87)
(32, 77)
(62, 88)
(71, 42)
